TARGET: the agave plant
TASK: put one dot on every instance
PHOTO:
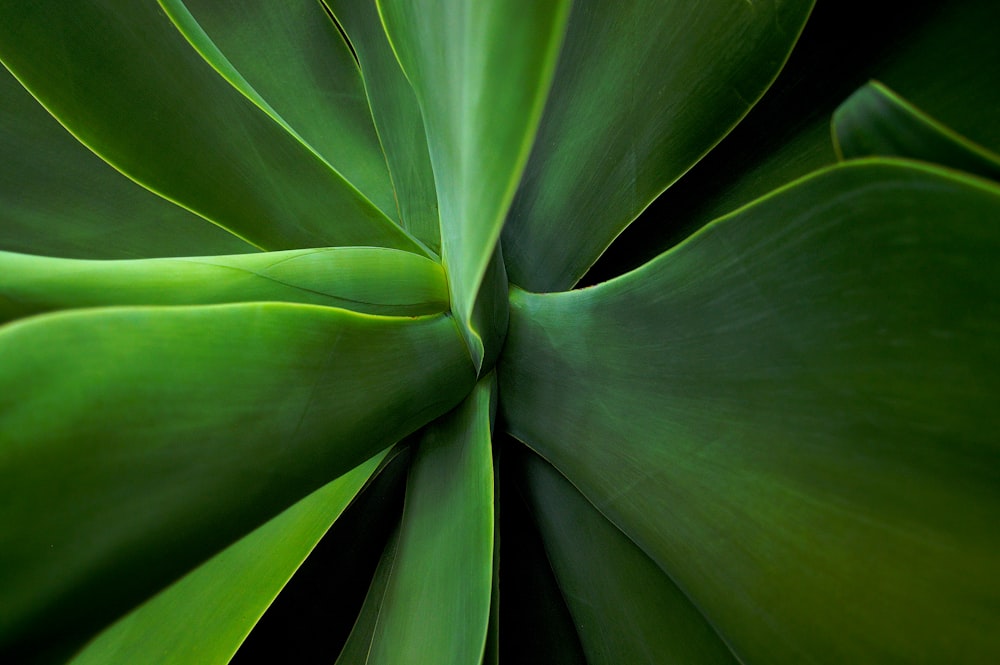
(338, 278)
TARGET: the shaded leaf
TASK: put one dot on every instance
(643, 90)
(204, 616)
(137, 442)
(793, 414)
(374, 280)
(626, 609)
(131, 88)
(59, 198)
(397, 118)
(875, 121)
(481, 72)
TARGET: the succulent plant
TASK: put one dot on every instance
(524, 321)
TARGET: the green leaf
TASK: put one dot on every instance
(307, 79)
(137, 442)
(59, 198)
(397, 118)
(643, 90)
(625, 608)
(204, 616)
(481, 72)
(794, 414)
(373, 280)
(875, 121)
(436, 605)
(126, 83)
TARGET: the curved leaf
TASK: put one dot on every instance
(626, 609)
(306, 79)
(643, 90)
(875, 121)
(205, 616)
(481, 72)
(793, 413)
(373, 280)
(136, 442)
(397, 118)
(126, 83)
(436, 606)
(59, 198)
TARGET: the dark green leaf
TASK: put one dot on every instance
(130, 87)
(643, 90)
(58, 198)
(397, 118)
(137, 442)
(794, 414)
(875, 121)
(626, 609)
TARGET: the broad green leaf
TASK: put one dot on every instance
(436, 605)
(397, 118)
(136, 442)
(642, 91)
(794, 413)
(306, 79)
(875, 121)
(126, 83)
(59, 198)
(204, 616)
(359, 642)
(373, 280)
(481, 72)
(626, 609)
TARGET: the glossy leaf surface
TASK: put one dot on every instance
(397, 117)
(306, 79)
(643, 90)
(58, 198)
(136, 442)
(875, 121)
(363, 279)
(436, 605)
(793, 414)
(625, 608)
(130, 87)
(204, 616)
(481, 72)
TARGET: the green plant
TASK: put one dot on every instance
(774, 442)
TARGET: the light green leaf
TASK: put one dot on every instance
(481, 72)
(875, 121)
(59, 198)
(625, 608)
(436, 606)
(643, 90)
(794, 414)
(136, 442)
(205, 616)
(373, 280)
(306, 79)
(126, 83)
(397, 118)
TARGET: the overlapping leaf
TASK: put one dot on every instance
(481, 72)
(136, 442)
(125, 81)
(642, 91)
(793, 414)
